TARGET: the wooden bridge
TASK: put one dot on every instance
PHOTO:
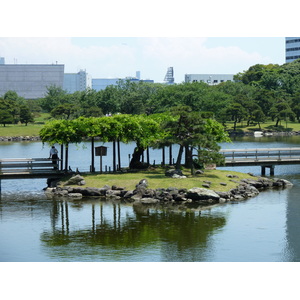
(23, 168)
(264, 157)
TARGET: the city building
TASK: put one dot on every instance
(292, 48)
(2, 61)
(211, 79)
(169, 78)
(30, 81)
(74, 82)
(101, 83)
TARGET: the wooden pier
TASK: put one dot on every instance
(23, 168)
(264, 157)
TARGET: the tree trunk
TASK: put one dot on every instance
(62, 156)
(178, 162)
(170, 155)
(114, 156)
(188, 157)
(119, 154)
(135, 162)
(67, 157)
(93, 157)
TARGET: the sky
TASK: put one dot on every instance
(117, 38)
(109, 57)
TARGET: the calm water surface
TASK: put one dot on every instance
(34, 228)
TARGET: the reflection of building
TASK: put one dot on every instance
(28, 80)
(74, 82)
(210, 79)
(292, 48)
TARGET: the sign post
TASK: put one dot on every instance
(101, 151)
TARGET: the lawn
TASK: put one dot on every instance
(156, 179)
(31, 129)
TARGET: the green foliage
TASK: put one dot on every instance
(26, 115)
(193, 132)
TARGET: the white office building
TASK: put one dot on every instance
(210, 79)
(292, 48)
(30, 81)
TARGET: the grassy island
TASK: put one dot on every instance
(217, 179)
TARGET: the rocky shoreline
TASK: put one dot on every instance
(19, 138)
(246, 188)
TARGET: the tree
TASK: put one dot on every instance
(55, 96)
(5, 117)
(62, 132)
(281, 111)
(258, 116)
(237, 113)
(63, 111)
(193, 132)
(6, 112)
(25, 115)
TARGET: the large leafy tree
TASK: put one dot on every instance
(62, 132)
(192, 131)
(281, 110)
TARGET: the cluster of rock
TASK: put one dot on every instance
(246, 188)
(19, 138)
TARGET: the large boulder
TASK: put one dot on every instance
(75, 180)
(199, 194)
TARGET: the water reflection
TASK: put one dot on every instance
(111, 231)
(292, 251)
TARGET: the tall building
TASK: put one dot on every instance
(74, 82)
(210, 79)
(30, 81)
(169, 78)
(2, 61)
(292, 48)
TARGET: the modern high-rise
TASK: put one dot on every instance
(292, 48)
(30, 81)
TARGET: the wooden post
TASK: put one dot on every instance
(163, 156)
(93, 158)
(62, 157)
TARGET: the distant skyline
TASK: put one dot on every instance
(109, 57)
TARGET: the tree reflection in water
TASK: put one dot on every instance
(113, 231)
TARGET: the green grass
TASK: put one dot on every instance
(268, 125)
(156, 179)
(22, 129)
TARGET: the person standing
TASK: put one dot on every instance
(54, 155)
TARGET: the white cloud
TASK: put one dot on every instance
(151, 56)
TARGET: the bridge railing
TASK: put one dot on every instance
(28, 165)
(261, 153)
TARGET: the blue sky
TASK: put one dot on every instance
(103, 57)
